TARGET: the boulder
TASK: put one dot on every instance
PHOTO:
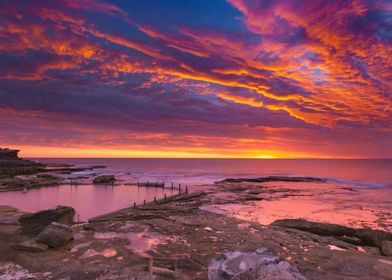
(31, 246)
(55, 235)
(261, 264)
(315, 227)
(104, 179)
(386, 248)
(373, 237)
(34, 223)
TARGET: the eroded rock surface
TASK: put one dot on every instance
(258, 265)
(315, 227)
(31, 246)
(34, 223)
(11, 271)
(386, 248)
(55, 235)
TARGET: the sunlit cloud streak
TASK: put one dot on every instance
(259, 79)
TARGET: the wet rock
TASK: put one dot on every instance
(104, 179)
(386, 248)
(55, 235)
(273, 179)
(34, 223)
(373, 237)
(10, 215)
(261, 264)
(30, 246)
(315, 227)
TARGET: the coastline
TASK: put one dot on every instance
(179, 231)
(201, 234)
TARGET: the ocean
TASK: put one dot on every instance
(91, 200)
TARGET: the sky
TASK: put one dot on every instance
(200, 78)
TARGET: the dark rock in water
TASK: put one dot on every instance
(373, 237)
(55, 235)
(386, 248)
(314, 227)
(104, 179)
(261, 264)
(273, 179)
(34, 223)
(31, 246)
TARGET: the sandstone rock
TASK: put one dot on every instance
(10, 215)
(34, 223)
(350, 239)
(261, 264)
(373, 237)
(31, 246)
(11, 164)
(55, 235)
(104, 179)
(386, 248)
(314, 227)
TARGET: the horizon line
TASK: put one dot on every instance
(255, 158)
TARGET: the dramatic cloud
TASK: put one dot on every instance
(237, 78)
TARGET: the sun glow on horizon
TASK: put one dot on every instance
(98, 152)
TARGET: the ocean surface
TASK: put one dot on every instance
(90, 200)
(365, 172)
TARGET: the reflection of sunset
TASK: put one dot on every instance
(258, 80)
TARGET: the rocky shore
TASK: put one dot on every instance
(17, 174)
(181, 238)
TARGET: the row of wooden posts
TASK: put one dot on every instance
(74, 181)
(165, 196)
(158, 185)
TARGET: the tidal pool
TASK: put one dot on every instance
(88, 200)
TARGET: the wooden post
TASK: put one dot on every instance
(186, 189)
(138, 184)
(144, 202)
(165, 197)
(175, 269)
(134, 205)
(155, 199)
(150, 272)
(172, 185)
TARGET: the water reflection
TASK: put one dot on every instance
(88, 200)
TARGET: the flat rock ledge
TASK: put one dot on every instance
(363, 236)
(273, 179)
